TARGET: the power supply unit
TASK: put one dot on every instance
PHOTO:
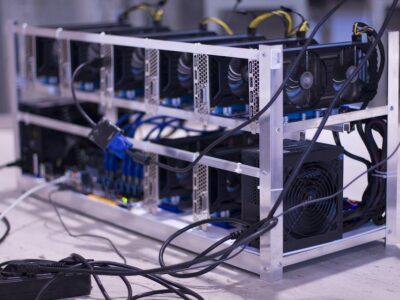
(320, 176)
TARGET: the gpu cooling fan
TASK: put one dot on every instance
(48, 48)
(344, 69)
(185, 71)
(305, 86)
(238, 77)
(137, 64)
(86, 52)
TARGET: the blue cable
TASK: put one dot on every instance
(161, 127)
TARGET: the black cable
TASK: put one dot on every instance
(101, 287)
(176, 234)
(171, 286)
(245, 238)
(16, 163)
(7, 231)
(369, 170)
(117, 251)
(248, 235)
(238, 128)
(299, 164)
(336, 137)
(100, 61)
(95, 63)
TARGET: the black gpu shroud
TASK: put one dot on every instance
(312, 86)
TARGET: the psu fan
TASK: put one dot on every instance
(320, 176)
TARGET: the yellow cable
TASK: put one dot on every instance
(288, 19)
(158, 14)
(355, 29)
(142, 6)
(281, 13)
(304, 27)
(257, 20)
(218, 21)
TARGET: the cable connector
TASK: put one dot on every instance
(139, 157)
(109, 137)
(236, 234)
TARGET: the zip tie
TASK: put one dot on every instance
(238, 168)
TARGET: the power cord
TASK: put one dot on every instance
(7, 231)
(171, 286)
(74, 235)
(256, 230)
(16, 163)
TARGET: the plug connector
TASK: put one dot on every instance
(110, 138)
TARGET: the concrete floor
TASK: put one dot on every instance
(368, 272)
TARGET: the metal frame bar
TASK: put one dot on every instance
(271, 159)
(393, 121)
(145, 146)
(137, 42)
(270, 260)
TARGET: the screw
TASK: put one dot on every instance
(264, 54)
(389, 232)
(391, 107)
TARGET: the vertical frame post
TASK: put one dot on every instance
(393, 123)
(11, 82)
(271, 159)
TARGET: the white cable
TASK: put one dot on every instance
(32, 191)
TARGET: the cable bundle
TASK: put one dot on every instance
(373, 204)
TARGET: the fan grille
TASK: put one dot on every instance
(313, 182)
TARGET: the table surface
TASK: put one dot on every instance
(367, 272)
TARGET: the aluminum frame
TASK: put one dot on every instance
(269, 262)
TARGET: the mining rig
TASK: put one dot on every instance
(199, 83)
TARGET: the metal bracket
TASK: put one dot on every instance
(201, 87)
(254, 91)
(150, 185)
(343, 127)
(64, 67)
(201, 205)
(107, 75)
(152, 83)
(28, 59)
